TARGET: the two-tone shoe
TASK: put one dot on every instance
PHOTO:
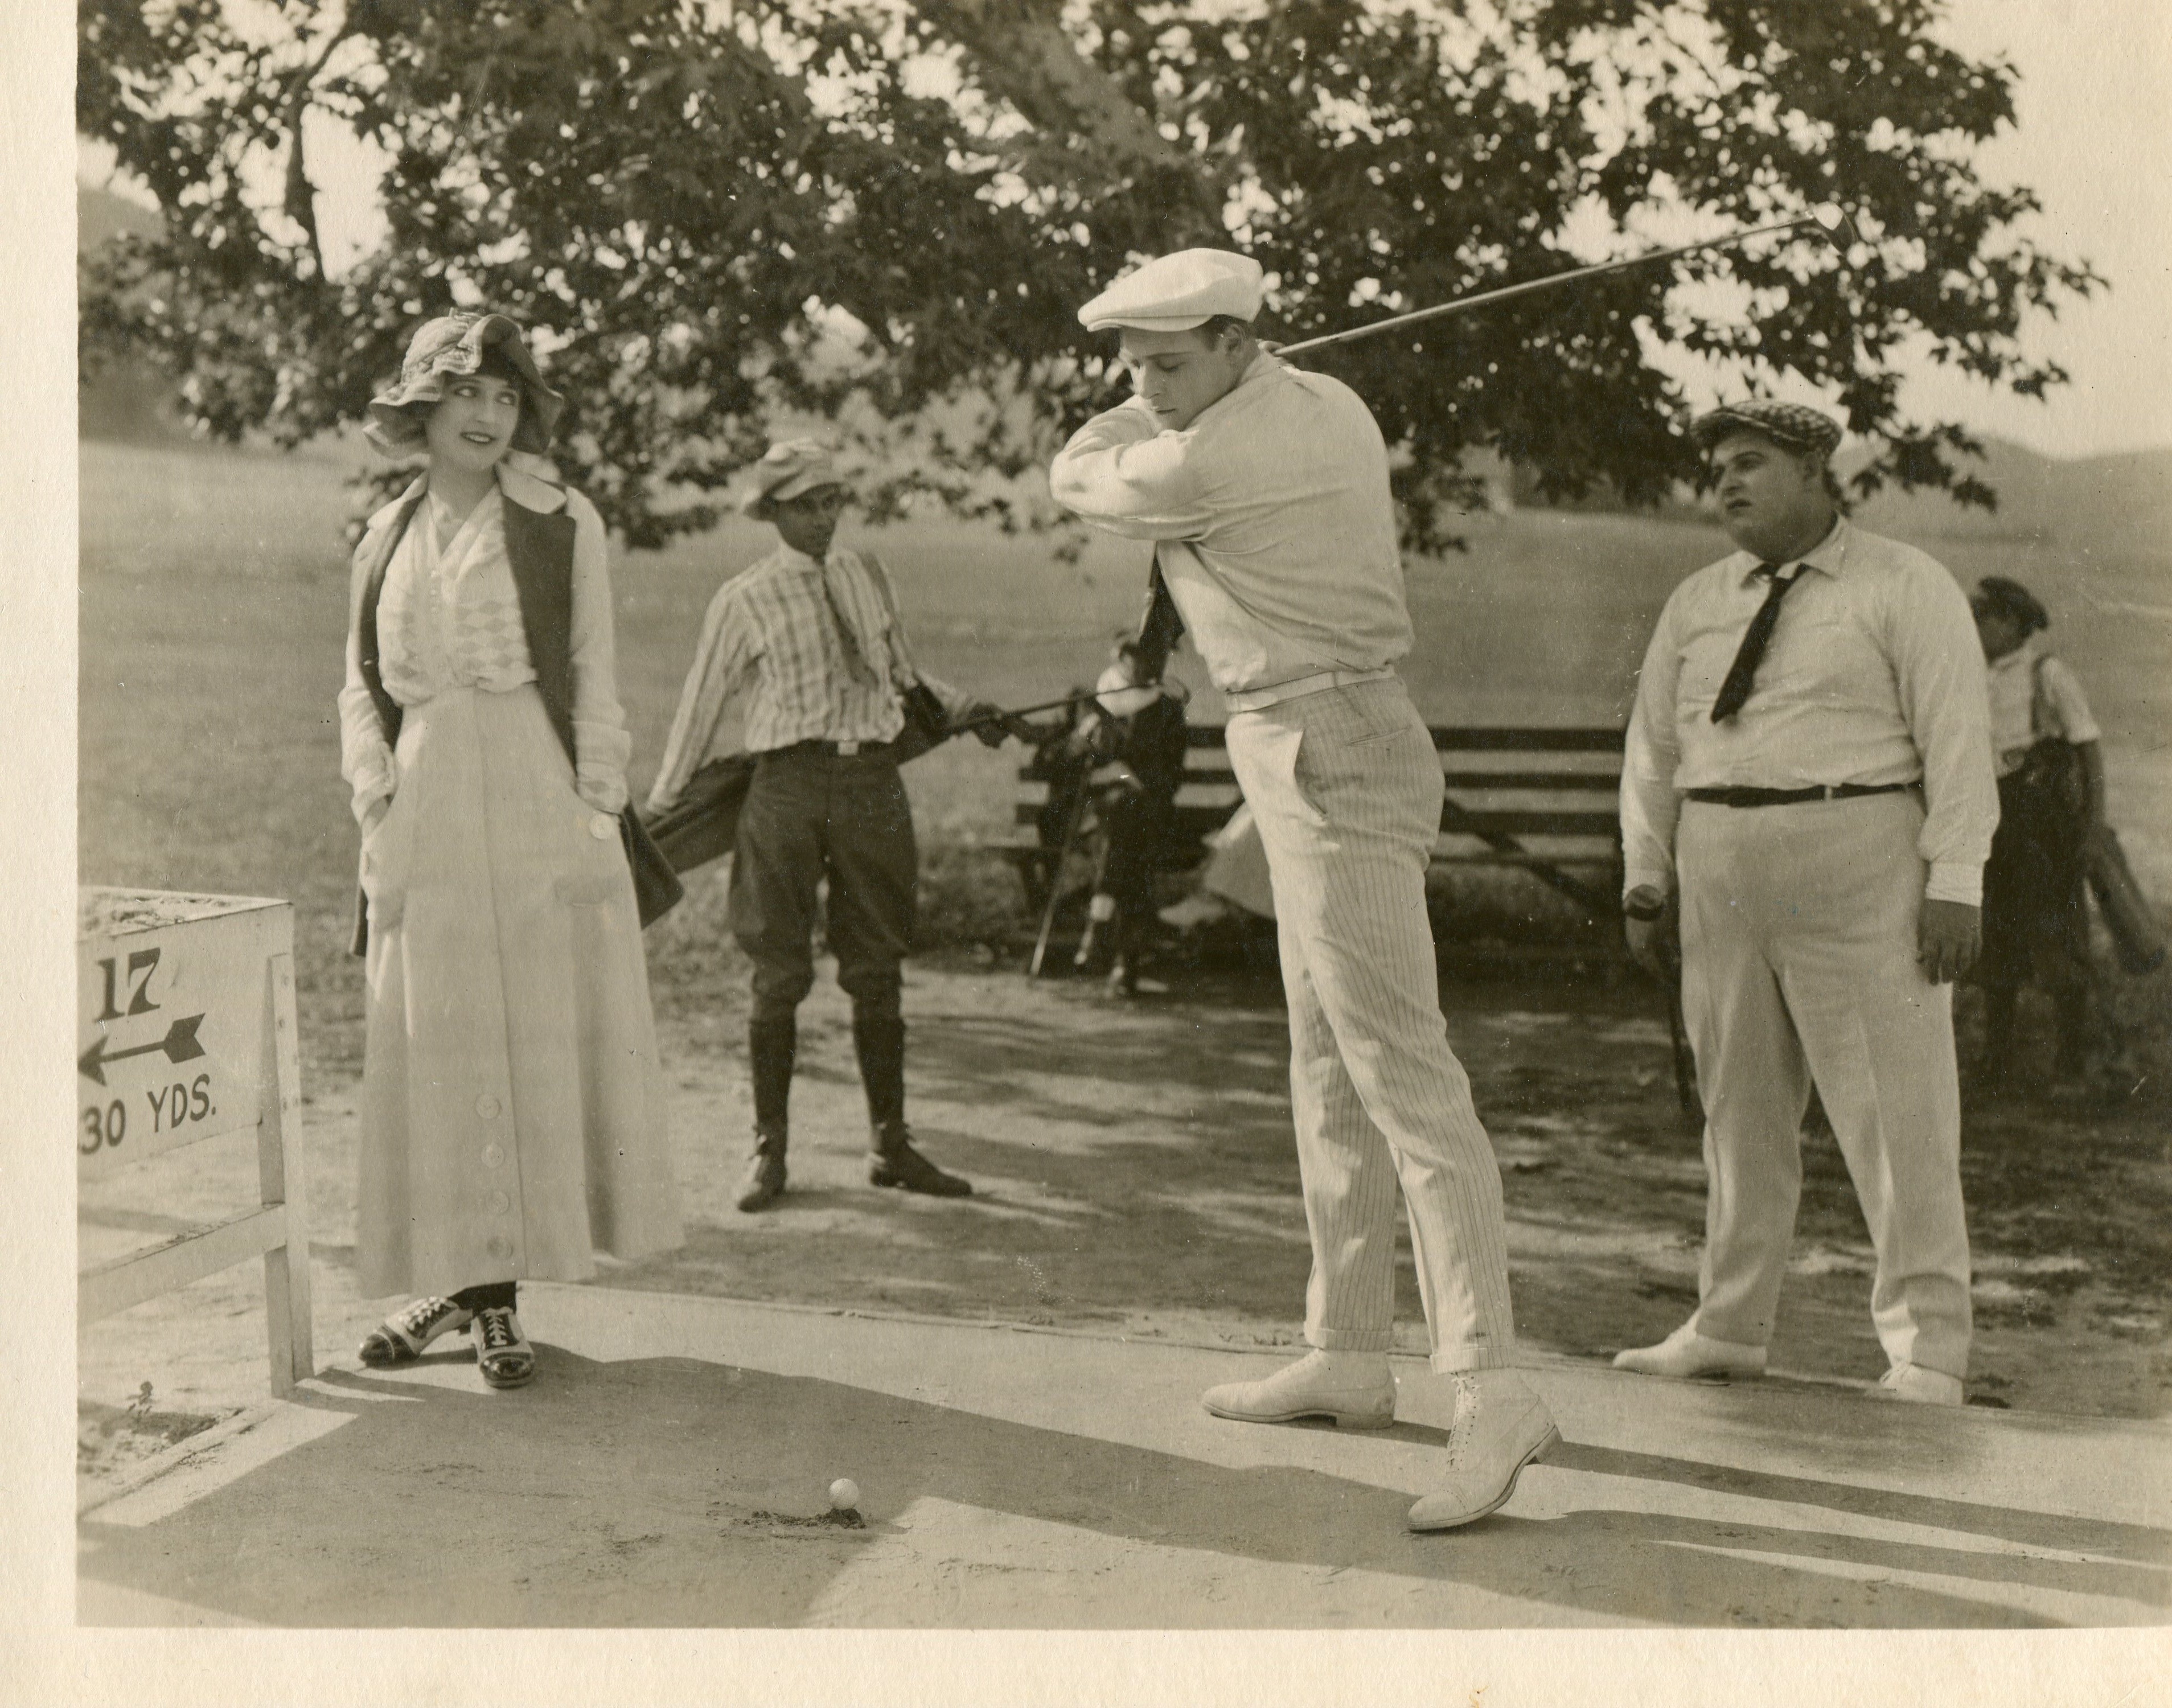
(401, 1338)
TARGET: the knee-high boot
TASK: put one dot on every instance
(772, 1043)
(879, 1040)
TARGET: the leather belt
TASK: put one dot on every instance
(827, 749)
(1742, 797)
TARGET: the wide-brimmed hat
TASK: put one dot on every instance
(791, 468)
(447, 348)
(1996, 594)
(1792, 426)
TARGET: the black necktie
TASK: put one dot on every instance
(858, 665)
(1742, 672)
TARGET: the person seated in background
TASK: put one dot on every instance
(1135, 730)
(2051, 812)
(1122, 746)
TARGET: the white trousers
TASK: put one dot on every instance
(1346, 789)
(1798, 968)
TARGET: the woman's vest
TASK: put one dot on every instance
(540, 548)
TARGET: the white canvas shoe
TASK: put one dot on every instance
(1685, 1352)
(1354, 1388)
(1501, 1425)
(1913, 1382)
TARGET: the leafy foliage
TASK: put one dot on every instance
(886, 214)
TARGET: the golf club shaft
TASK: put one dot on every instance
(998, 715)
(1505, 292)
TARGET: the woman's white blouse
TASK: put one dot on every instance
(449, 617)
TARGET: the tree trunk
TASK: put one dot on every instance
(1021, 53)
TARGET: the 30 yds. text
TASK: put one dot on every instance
(170, 1106)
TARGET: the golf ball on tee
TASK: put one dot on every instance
(844, 1495)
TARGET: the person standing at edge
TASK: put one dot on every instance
(1265, 491)
(513, 1109)
(811, 633)
(1809, 780)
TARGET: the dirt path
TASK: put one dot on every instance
(1135, 1175)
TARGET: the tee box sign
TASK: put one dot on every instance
(185, 1030)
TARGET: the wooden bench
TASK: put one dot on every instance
(1544, 801)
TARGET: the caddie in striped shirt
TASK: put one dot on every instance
(1265, 491)
(802, 663)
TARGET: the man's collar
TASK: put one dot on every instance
(1829, 555)
(792, 558)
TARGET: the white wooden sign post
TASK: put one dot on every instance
(185, 1030)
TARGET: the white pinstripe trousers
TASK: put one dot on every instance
(1798, 967)
(1346, 789)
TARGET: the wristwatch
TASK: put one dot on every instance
(1644, 912)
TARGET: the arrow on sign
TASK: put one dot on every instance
(179, 1044)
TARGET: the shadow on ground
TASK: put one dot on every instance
(663, 1492)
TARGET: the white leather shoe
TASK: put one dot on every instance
(1354, 1388)
(1913, 1382)
(1685, 1352)
(1501, 1425)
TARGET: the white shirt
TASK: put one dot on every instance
(771, 667)
(451, 619)
(1873, 674)
(1271, 518)
(2028, 703)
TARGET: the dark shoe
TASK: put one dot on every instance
(896, 1163)
(502, 1353)
(765, 1176)
(401, 1338)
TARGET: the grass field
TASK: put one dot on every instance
(214, 606)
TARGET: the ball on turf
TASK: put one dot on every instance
(844, 1495)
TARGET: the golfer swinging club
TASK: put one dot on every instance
(1265, 491)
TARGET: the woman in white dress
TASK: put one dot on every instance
(512, 1116)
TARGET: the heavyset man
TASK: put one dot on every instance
(1809, 775)
(802, 663)
(1265, 491)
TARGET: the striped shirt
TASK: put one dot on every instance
(771, 668)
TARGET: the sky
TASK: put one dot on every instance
(2093, 139)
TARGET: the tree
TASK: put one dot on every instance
(887, 212)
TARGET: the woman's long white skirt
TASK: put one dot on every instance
(513, 1114)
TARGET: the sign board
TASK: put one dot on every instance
(185, 1030)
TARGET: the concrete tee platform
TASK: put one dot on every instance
(670, 1468)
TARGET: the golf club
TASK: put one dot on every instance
(1827, 218)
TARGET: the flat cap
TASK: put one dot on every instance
(791, 468)
(1793, 425)
(1175, 292)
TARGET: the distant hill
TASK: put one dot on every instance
(133, 401)
(101, 216)
(2121, 503)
